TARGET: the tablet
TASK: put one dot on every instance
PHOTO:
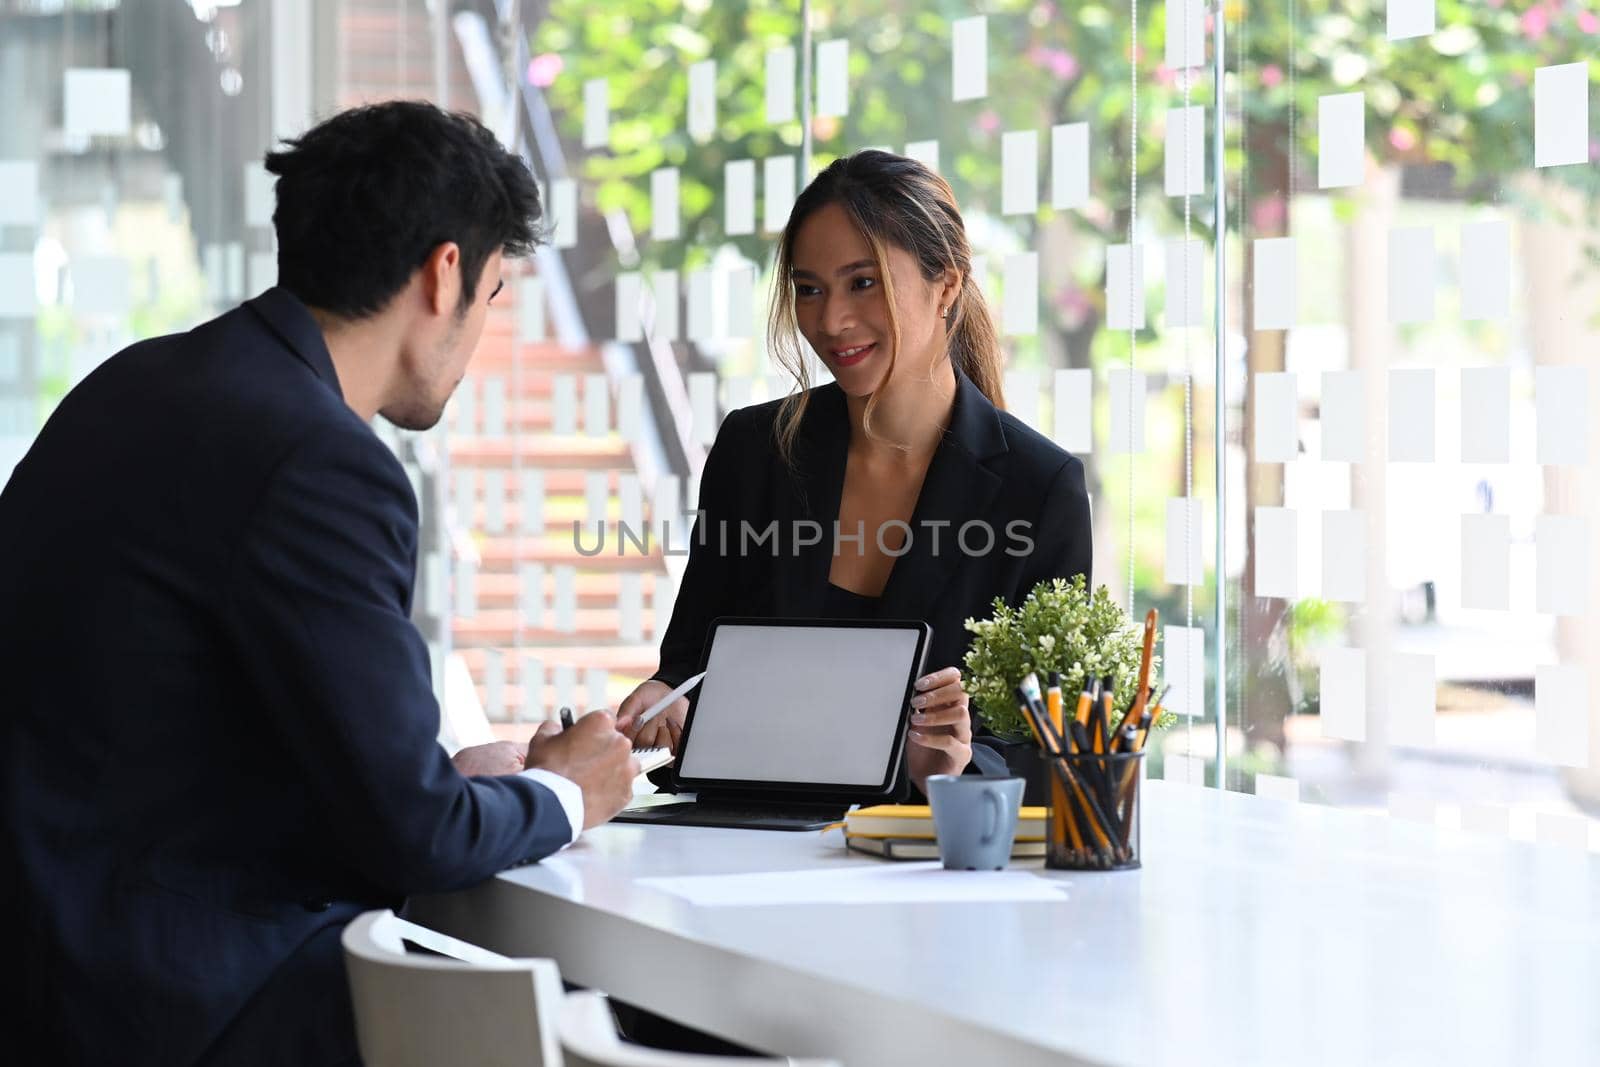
(802, 706)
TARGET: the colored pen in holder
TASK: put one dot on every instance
(1094, 815)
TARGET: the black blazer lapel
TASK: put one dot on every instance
(811, 495)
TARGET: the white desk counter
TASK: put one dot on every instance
(1258, 932)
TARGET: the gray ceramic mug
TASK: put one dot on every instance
(975, 819)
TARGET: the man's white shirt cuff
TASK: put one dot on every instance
(566, 791)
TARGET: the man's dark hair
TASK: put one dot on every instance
(364, 197)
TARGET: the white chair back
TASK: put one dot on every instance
(474, 1008)
(589, 1039)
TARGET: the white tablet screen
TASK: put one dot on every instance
(802, 704)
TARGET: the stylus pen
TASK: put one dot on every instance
(665, 702)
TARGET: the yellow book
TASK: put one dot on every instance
(916, 821)
(919, 848)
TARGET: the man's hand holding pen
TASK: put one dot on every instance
(941, 727)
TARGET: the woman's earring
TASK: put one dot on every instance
(944, 312)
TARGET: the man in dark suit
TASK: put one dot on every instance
(217, 742)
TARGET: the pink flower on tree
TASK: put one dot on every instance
(543, 68)
(1271, 76)
(988, 121)
(1267, 215)
(1402, 139)
(1588, 22)
(1535, 23)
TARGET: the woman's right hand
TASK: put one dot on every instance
(663, 731)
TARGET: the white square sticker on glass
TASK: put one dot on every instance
(1185, 162)
(665, 222)
(101, 286)
(780, 85)
(1561, 715)
(1074, 396)
(1277, 553)
(564, 402)
(777, 192)
(969, 58)
(566, 611)
(261, 272)
(494, 501)
(1410, 18)
(1019, 172)
(19, 192)
(1562, 399)
(630, 607)
(703, 406)
(1342, 691)
(1486, 562)
(1344, 556)
(1277, 404)
(596, 405)
(18, 290)
(1124, 287)
(1069, 165)
(494, 406)
(702, 118)
(1186, 34)
(97, 102)
(530, 501)
(739, 197)
(1485, 415)
(258, 195)
(630, 407)
(1127, 400)
(702, 306)
(1185, 283)
(1412, 274)
(1275, 283)
(1412, 701)
(1021, 389)
(530, 309)
(1341, 140)
(596, 492)
(628, 289)
(1562, 572)
(1344, 417)
(1561, 115)
(741, 301)
(1485, 269)
(1183, 667)
(924, 152)
(1185, 563)
(833, 78)
(1411, 416)
(596, 113)
(664, 290)
(1021, 308)
(564, 213)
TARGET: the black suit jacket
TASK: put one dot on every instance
(218, 731)
(990, 468)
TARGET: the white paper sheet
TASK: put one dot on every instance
(739, 197)
(1020, 314)
(1186, 33)
(780, 85)
(1409, 18)
(596, 405)
(102, 285)
(596, 113)
(868, 883)
(1485, 415)
(1341, 148)
(969, 58)
(564, 213)
(1277, 553)
(1277, 403)
(1485, 270)
(1412, 700)
(19, 192)
(1185, 160)
(1486, 562)
(1069, 165)
(702, 117)
(1186, 517)
(833, 78)
(1344, 556)
(777, 192)
(1561, 115)
(564, 402)
(1124, 287)
(1562, 579)
(1344, 419)
(1562, 398)
(1561, 713)
(1074, 397)
(1186, 289)
(1275, 297)
(19, 294)
(664, 295)
(1411, 416)
(665, 221)
(1127, 399)
(628, 288)
(924, 152)
(1183, 666)
(1343, 689)
(97, 102)
(1413, 274)
(703, 406)
(630, 405)
(701, 301)
(1019, 172)
(530, 309)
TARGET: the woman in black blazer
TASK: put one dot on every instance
(900, 490)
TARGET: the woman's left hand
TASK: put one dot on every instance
(941, 728)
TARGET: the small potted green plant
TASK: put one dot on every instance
(1059, 627)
